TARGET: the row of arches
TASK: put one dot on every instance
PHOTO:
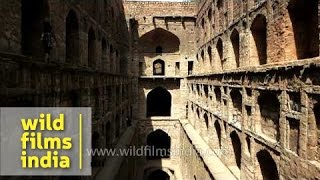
(258, 52)
(73, 46)
(267, 107)
(267, 168)
(297, 45)
(35, 22)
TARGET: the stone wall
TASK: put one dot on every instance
(86, 66)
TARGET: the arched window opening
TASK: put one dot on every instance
(91, 48)
(159, 102)
(206, 90)
(248, 141)
(198, 90)
(268, 167)
(159, 175)
(270, 114)
(202, 23)
(236, 144)
(104, 52)
(210, 54)
(198, 113)
(34, 17)
(206, 120)
(304, 19)
(217, 92)
(259, 34)
(236, 45)
(111, 58)
(159, 50)
(104, 46)
(72, 37)
(202, 56)
(218, 131)
(236, 98)
(210, 15)
(219, 48)
(160, 143)
(159, 67)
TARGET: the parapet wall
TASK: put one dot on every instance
(148, 8)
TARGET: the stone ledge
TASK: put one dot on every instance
(113, 163)
(217, 169)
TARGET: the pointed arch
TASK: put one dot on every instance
(236, 144)
(268, 167)
(91, 48)
(160, 142)
(169, 42)
(235, 40)
(305, 32)
(34, 16)
(72, 37)
(259, 43)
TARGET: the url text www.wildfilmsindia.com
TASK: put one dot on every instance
(132, 151)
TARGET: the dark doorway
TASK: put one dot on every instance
(268, 167)
(159, 143)
(159, 175)
(159, 102)
(206, 120)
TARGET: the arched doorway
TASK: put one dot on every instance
(159, 175)
(91, 48)
(33, 18)
(236, 144)
(259, 43)
(159, 143)
(235, 40)
(218, 131)
(72, 37)
(159, 102)
(305, 32)
(268, 167)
